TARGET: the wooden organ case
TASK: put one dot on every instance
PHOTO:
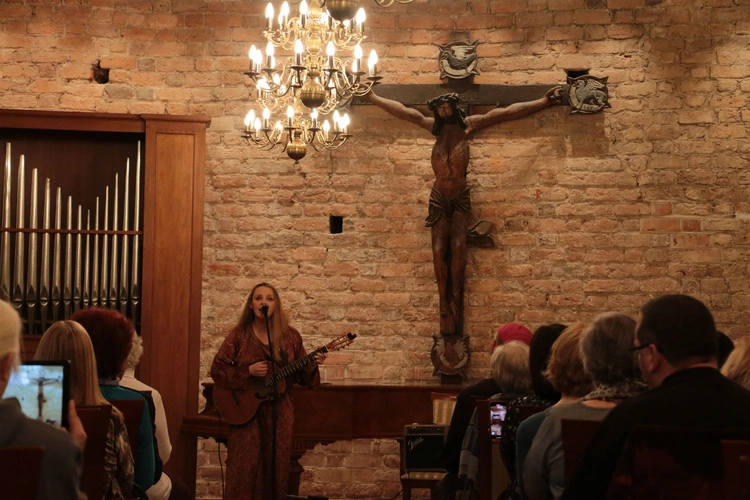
(80, 153)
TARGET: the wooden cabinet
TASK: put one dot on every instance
(172, 233)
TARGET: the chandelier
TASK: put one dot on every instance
(311, 83)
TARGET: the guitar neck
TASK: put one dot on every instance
(294, 367)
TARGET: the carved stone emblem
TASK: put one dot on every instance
(588, 94)
(450, 354)
(458, 60)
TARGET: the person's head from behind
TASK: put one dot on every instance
(605, 348)
(565, 368)
(510, 367)
(737, 365)
(539, 352)
(111, 335)
(10, 343)
(508, 333)
(674, 332)
(67, 340)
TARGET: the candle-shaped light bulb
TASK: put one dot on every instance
(372, 64)
(326, 129)
(249, 118)
(283, 15)
(266, 117)
(269, 56)
(331, 51)
(361, 16)
(324, 19)
(298, 49)
(285, 9)
(357, 65)
(336, 119)
(303, 14)
(269, 16)
(314, 118)
(347, 25)
(279, 127)
(251, 53)
(256, 125)
(290, 117)
(344, 123)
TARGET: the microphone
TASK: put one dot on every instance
(264, 309)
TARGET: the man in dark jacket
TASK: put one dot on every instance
(676, 345)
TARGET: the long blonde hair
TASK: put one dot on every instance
(69, 340)
(279, 321)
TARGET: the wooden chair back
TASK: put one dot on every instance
(525, 411)
(132, 411)
(736, 469)
(576, 435)
(95, 420)
(673, 463)
(20, 469)
(443, 405)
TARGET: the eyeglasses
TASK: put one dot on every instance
(639, 347)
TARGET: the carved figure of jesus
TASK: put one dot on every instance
(450, 202)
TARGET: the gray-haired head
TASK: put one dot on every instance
(605, 345)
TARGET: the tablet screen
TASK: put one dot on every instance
(42, 389)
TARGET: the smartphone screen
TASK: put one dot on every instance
(41, 387)
(497, 416)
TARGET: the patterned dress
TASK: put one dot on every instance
(508, 442)
(250, 445)
(118, 460)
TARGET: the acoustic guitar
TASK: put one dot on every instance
(238, 406)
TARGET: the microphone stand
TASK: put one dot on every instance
(274, 408)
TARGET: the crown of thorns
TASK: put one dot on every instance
(451, 98)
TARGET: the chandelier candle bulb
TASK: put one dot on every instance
(314, 119)
(326, 128)
(360, 21)
(298, 52)
(266, 118)
(269, 17)
(344, 123)
(303, 14)
(270, 63)
(249, 119)
(330, 50)
(357, 65)
(284, 15)
(336, 120)
(372, 64)
(289, 117)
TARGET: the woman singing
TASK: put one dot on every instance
(242, 356)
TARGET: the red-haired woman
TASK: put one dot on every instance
(242, 356)
(112, 336)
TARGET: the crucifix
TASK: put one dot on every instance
(449, 214)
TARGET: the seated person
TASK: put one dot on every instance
(450, 455)
(164, 488)
(676, 342)
(544, 395)
(566, 374)
(68, 340)
(111, 334)
(510, 369)
(60, 474)
(605, 349)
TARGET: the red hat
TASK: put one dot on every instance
(512, 331)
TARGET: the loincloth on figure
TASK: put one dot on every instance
(442, 206)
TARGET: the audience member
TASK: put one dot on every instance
(68, 340)
(544, 395)
(60, 475)
(726, 346)
(451, 453)
(510, 369)
(676, 342)
(111, 334)
(605, 349)
(566, 374)
(737, 366)
(164, 488)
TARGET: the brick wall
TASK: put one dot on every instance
(592, 213)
